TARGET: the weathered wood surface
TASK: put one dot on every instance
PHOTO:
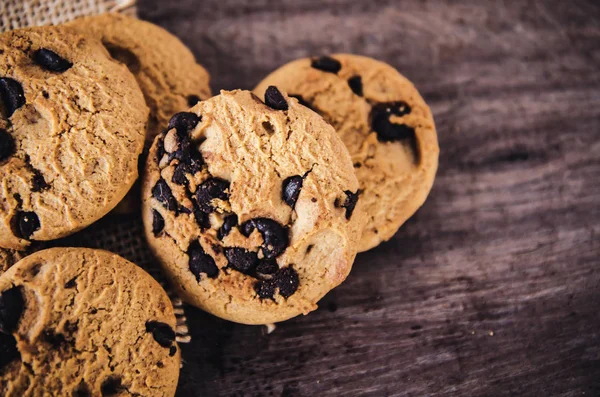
(493, 288)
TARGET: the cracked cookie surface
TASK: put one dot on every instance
(163, 66)
(83, 322)
(72, 125)
(8, 258)
(243, 204)
(385, 124)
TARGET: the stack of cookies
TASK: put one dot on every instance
(255, 204)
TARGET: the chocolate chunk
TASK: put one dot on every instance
(201, 262)
(210, 189)
(265, 289)
(241, 259)
(327, 64)
(11, 308)
(82, 390)
(158, 222)
(161, 332)
(160, 150)
(111, 386)
(287, 281)
(12, 95)
(355, 83)
(291, 190)
(349, 203)
(55, 339)
(275, 237)
(179, 174)
(51, 61)
(267, 267)
(184, 122)
(274, 99)
(162, 192)
(71, 283)
(172, 351)
(38, 183)
(193, 100)
(229, 223)
(8, 349)
(25, 224)
(385, 129)
(7, 145)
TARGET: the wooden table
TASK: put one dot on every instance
(493, 288)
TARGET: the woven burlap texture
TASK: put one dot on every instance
(121, 234)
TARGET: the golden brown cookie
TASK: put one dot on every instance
(72, 125)
(385, 124)
(8, 258)
(163, 66)
(83, 322)
(250, 206)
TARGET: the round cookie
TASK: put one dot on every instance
(251, 207)
(72, 125)
(163, 66)
(385, 124)
(83, 322)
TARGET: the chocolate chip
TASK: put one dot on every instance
(7, 145)
(385, 129)
(71, 283)
(111, 386)
(287, 281)
(162, 333)
(193, 100)
(355, 83)
(301, 100)
(265, 289)
(38, 183)
(229, 223)
(291, 189)
(162, 192)
(8, 349)
(275, 237)
(349, 203)
(326, 64)
(158, 222)
(179, 174)
(267, 267)
(160, 150)
(184, 122)
(25, 224)
(82, 390)
(12, 95)
(210, 189)
(51, 61)
(201, 262)
(274, 99)
(241, 259)
(55, 339)
(11, 308)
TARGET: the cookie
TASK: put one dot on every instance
(385, 124)
(163, 66)
(72, 125)
(251, 207)
(83, 322)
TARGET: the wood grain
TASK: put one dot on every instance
(493, 288)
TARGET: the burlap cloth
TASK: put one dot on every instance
(121, 234)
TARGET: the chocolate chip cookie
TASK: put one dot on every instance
(164, 67)
(83, 322)
(385, 124)
(252, 207)
(72, 125)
